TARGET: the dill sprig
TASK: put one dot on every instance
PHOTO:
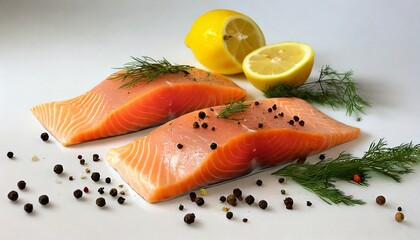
(147, 69)
(331, 88)
(233, 108)
(319, 177)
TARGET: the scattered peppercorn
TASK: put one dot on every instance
(201, 115)
(296, 118)
(213, 146)
(380, 200)
(302, 123)
(82, 161)
(245, 220)
(249, 199)
(86, 189)
(193, 196)
(71, 178)
(108, 180)
(269, 110)
(78, 193)
(259, 182)
(100, 202)
(222, 199)
(58, 169)
(263, 204)
(43, 199)
(179, 146)
(213, 129)
(256, 103)
(229, 215)
(196, 125)
(10, 154)
(13, 195)
(399, 217)
(21, 184)
(189, 218)
(28, 207)
(199, 201)
(113, 192)
(44, 136)
(274, 107)
(204, 125)
(231, 199)
(399, 209)
(308, 203)
(281, 180)
(260, 125)
(95, 176)
(237, 192)
(288, 202)
(291, 122)
(322, 156)
(283, 191)
(95, 157)
(79, 156)
(101, 190)
(281, 114)
(121, 200)
(181, 207)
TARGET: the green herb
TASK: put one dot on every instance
(233, 108)
(319, 177)
(332, 88)
(147, 69)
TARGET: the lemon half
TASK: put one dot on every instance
(285, 62)
(220, 39)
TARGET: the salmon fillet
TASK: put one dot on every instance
(108, 110)
(179, 156)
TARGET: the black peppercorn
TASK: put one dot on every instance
(308, 203)
(82, 161)
(71, 178)
(28, 207)
(288, 202)
(201, 115)
(213, 146)
(256, 103)
(229, 215)
(399, 209)
(181, 207)
(199, 201)
(237, 192)
(263, 204)
(204, 125)
(100, 202)
(108, 180)
(322, 156)
(213, 128)
(231, 199)
(13, 195)
(245, 220)
(44, 199)
(196, 125)
(296, 118)
(222, 199)
(58, 169)
(21, 184)
(10, 154)
(95, 157)
(291, 122)
(260, 125)
(95, 176)
(274, 107)
(78, 193)
(283, 191)
(193, 196)
(121, 200)
(113, 192)
(79, 156)
(269, 110)
(281, 180)
(179, 146)
(44, 136)
(101, 190)
(189, 218)
(302, 123)
(259, 182)
(281, 114)
(249, 199)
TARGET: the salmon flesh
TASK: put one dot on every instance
(108, 110)
(193, 151)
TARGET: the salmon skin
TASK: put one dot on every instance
(108, 110)
(191, 151)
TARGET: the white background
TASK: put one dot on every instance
(55, 50)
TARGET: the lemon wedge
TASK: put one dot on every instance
(220, 39)
(285, 62)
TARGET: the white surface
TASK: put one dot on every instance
(54, 50)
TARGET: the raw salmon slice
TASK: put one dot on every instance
(179, 156)
(109, 110)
